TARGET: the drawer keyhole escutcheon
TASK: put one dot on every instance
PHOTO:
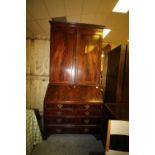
(59, 113)
(58, 130)
(86, 121)
(87, 113)
(59, 120)
(59, 106)
(87, 106)
(86, 130)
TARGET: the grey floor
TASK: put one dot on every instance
(68, 144)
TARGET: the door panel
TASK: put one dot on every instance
(62, 56)
(88, 63)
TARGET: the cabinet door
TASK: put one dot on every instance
(62, 55)
(88, 58)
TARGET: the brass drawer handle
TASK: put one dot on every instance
(87, 113)
(59, 113)
(86, 130)
(86, 121)
(87, 106)
(58, 130)
(59, 120)
(59, 106)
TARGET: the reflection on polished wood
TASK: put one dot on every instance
(61, 59)
(88, 58)
(67, 93)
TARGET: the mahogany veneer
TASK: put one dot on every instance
(73, 102)
(72, 109)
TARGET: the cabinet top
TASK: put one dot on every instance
(72, 24)
(71, 93)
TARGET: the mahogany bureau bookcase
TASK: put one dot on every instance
(73, 102)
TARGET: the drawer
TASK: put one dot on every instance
(75, 129)
(72, 112)
(90, 121)
(58, 120)
(59, 106)
(57, 112)
(89, 130)
(88, 106)
(74, 106)
(87, 120)
(72, 120)
(88, 113)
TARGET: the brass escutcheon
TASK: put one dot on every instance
(59, 106)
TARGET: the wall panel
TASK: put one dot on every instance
(37, 72)
(37, 93)
(39, 57)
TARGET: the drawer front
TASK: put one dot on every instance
(90, 121)
(59, 106)
(87, 120)
(58, 120)
(88, 113)
(72, 120)
(72, 112)
(57, 112)
(76, 129)
(75, 106)
(88, 106)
